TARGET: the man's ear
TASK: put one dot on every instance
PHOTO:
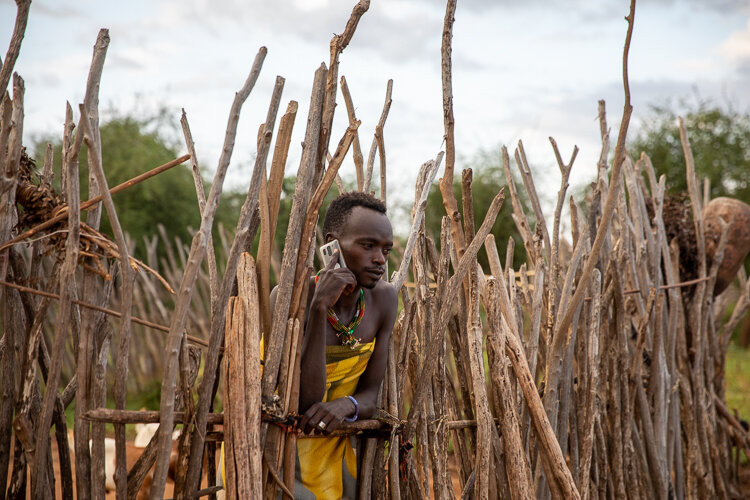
(329, 237)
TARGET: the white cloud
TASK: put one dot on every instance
(57, 11)
(737, 47)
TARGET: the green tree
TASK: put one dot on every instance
(719, 139)
(488, 178)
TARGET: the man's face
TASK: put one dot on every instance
(366, 240)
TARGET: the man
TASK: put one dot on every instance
(350, 315)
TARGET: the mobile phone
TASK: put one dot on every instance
(327, 251)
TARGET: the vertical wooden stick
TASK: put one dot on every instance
(121, 367)
(528, 181)
(200, 192)
(516, 465)
(67, 283)
(377, 143)
(274, 341)
(270, 199)
(90, 464)
(446, 182)
(424, 181)
(485, 422)
(9, 151)
(338, 44)
(19, 29)
(592, 384)
(614, 187)
(242, 418)
(356, 147)
(448, 295)
(558, 474)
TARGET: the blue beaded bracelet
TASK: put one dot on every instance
(356, 410)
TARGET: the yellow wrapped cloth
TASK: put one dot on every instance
(327, 467)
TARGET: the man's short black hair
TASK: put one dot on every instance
(340, 208)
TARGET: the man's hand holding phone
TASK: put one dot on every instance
(334, 281)
(328, 252)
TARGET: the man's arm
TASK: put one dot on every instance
(370, 381)
(325, 293)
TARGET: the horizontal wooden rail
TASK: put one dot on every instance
(109, 415)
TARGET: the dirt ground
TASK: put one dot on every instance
(132, 455)
(745, 480)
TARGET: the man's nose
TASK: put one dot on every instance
(378, 257)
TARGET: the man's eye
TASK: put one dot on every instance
(386, 251)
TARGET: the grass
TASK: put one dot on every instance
(737, 376)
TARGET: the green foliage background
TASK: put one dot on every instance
(719, 139)
(132, 146)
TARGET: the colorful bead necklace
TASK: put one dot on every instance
(346, 333)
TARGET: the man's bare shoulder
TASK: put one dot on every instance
(385, 294)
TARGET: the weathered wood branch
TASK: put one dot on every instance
(337, 46)
(274, 341)
(128, 276)
(377, 143)
(201, 193)
(425, 178)
(14, 46)
(67, 291)
(446, 182)
(448, 295)
(356, 147)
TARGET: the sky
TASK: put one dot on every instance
(521, 71)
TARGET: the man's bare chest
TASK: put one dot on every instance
(365, 331)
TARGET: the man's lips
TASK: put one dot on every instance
(376, 271)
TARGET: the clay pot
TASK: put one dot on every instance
(737, 214)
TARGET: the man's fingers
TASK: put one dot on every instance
(304, 420)
(311, 419)
(334, 423)
(307, 418)
(321, 421)
(328, 424)
(334, 260)
(322, 418)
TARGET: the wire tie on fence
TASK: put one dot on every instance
(403, 451)
(286, 422)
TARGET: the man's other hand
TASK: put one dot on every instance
(330, 413)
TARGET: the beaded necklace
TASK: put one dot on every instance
(346, 333)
